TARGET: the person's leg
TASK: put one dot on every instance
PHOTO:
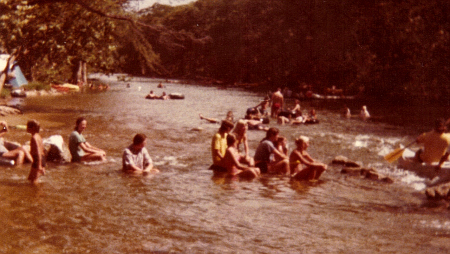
(18, 155)
(280, 167)
(306, 174)
(318, 171)
(94, 157)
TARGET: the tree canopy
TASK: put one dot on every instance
(389, 47)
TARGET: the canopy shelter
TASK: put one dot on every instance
(15, 77)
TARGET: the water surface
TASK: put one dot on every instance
(95, 208)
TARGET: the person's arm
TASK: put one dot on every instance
(231, 156)
(245, 145)
(442, 160)
(34, 147)
(279, 154)
(148, 163)
(90, 148)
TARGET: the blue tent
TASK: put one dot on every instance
(16, 77)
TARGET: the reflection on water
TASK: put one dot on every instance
(186, 208)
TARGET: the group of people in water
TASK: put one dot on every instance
(271, 155)
(20, 154)
(135, 158)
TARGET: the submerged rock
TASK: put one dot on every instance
(438, 192)
(342, 160)
(368, 173)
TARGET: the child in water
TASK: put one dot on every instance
(36, 151)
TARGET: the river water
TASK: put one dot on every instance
(94, 208)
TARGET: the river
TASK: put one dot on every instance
(94, 208)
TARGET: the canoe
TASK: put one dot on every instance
(66, 88)
(426, 170)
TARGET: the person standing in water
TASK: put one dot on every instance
(277, 103)
(135, 158)
(36, 151)
(80, 149)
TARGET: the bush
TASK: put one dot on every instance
(38, 86)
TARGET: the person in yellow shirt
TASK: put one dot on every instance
(434, 142)
(219, 145)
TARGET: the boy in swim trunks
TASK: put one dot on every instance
(37, 152)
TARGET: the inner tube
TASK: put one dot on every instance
(176, 96)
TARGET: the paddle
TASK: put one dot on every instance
(397, 153)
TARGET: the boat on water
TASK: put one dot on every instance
(409, 162)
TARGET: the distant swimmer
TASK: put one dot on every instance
(346, 112)
(151, 95)
(364, 114)
(277, 103)
(229, 117)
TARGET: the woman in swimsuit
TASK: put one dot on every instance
(303, 167)
(232, 161)
(240, 132)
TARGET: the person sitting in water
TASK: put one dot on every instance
(263, 155)
(302, 165)
(232, 161)
(151, 95)
(346, 112)
(163, 96)
(219, 145)
(311, 117)
(80, 149)
(229, 117)
(135, 158)
(364, 114)
(434, 142)
(240, 132)
(255, 124)
(12, 151)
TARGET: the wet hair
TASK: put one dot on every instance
(226, 124)
(270, 133)
(78, 122)
(302, 139)
(138, 139)
(34, 125)
(241, 123)
(231, 139)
